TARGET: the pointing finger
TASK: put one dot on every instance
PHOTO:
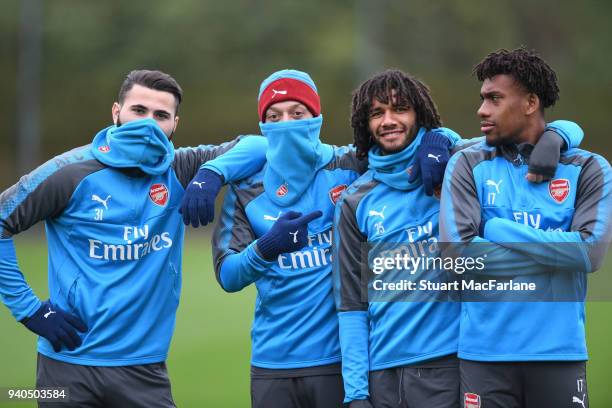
(309, 217)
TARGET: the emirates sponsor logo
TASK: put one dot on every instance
(315, 255)
(158, 193)
(137, 244)
(559, 189)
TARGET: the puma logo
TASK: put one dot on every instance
(294, 236)
(49, 313)
(271, 218)
(278, 92)
(494, 184)
(437, 158)
(380, 214)
(577, 400)
(199, 183)
(101, 201)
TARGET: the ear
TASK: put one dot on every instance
(533, 103)
(115, 112)
(176, 121)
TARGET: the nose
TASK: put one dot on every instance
(483, 111)
(389, 119)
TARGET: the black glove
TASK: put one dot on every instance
(57, 326)
(544, 157)
(289, 233)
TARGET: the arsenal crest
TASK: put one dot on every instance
(336, 192)
(104, 148)
(158, 193)
(282, 190)
(471, 400)
(559, 189)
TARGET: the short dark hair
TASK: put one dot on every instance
(157, 80)
(408, 90)
(527, 68)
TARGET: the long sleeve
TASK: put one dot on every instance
(581, 249)
(352, 310)
(460, 219)
(569, 131)
(241, 269)
(453, 137)
(38, 196)
(234, 160)
(237, 263)
(354, 332)
(16, 294)
(245, 159)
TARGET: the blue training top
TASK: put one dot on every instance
(550, 234)
(295, 323)
(115, 238)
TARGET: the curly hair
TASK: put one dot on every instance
(408, 91)
(526, 67)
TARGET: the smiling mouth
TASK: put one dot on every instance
(391, 133)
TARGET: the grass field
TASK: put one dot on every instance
(209, 358)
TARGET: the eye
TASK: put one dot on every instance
(375, 114)
(402, 109)
(298, 113)
(138, 110)
(162, 116)
(271, 117)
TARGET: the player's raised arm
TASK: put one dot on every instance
(437, 146)
(204, 169)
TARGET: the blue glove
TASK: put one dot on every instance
(198, 205)
(289, 233)
(431, 158)
(57, 326)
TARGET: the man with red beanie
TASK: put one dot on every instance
(275, 231)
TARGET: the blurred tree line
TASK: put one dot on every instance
(220, 51)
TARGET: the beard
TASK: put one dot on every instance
(494, 140)
(409, 138)
(501, 140)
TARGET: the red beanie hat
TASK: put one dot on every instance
(288, 89)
